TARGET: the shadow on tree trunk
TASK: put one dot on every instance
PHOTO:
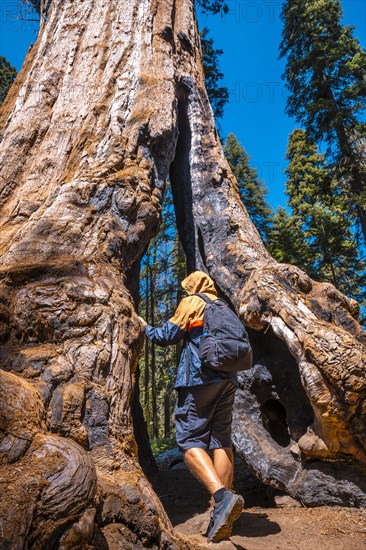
(88, 133)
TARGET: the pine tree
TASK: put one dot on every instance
(218, 94)
(40, 6)
(7, 77)
(287, 242)
(322, 212)
(213, 6)
(163, 267)
(251, 188)
(325, 75)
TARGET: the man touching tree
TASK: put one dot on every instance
(203, 414)
(82, 179)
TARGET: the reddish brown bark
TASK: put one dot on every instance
(112, 98)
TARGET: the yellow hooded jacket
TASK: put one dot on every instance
(187, 324)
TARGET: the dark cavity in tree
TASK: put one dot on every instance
(275, 422)
(180, 178)
(275, 383)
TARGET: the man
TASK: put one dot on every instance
(203, 414)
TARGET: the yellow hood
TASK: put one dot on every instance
(190, 310)
(198, 281)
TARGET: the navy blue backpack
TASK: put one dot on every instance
(224, 345)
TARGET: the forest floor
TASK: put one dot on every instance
(270, 521)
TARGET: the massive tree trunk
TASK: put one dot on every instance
(81, 197)
(111, 98)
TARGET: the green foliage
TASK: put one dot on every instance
(213, 6)
(320, 213)
(326, 78)
(7, 77)
(308, 176)
(218, 94)
(159, 446)
(325, 70)
(36, 4)
(287, 242)
(251, 188)
(162, 269)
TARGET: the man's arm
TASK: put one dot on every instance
(166, 335)
(173, 330)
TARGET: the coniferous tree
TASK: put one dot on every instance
(7, 77)
(213, 6)
(322, 212)
(40, 6)
(287, 242)
(325, 75)
(251, 187)
(163, 268)
(218, 94)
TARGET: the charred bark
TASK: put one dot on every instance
(109, 98)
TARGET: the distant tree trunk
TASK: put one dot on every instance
(145, 455)
(147, 349)
(111, 96)
(349, 160)
(154, 403)
(167, 410)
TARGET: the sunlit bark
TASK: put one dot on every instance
(110, 100)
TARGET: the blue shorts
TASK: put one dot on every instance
(203, 415)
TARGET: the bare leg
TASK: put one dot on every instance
(224, 465)
(201, 465)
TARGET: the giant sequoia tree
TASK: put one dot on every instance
(111, 100)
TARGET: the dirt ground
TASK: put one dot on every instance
(270, 521)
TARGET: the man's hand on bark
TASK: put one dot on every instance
(143, 322)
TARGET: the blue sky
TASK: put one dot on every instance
(249, 35)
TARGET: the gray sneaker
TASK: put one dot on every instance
(225, 513)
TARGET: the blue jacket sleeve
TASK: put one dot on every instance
(168, 334)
